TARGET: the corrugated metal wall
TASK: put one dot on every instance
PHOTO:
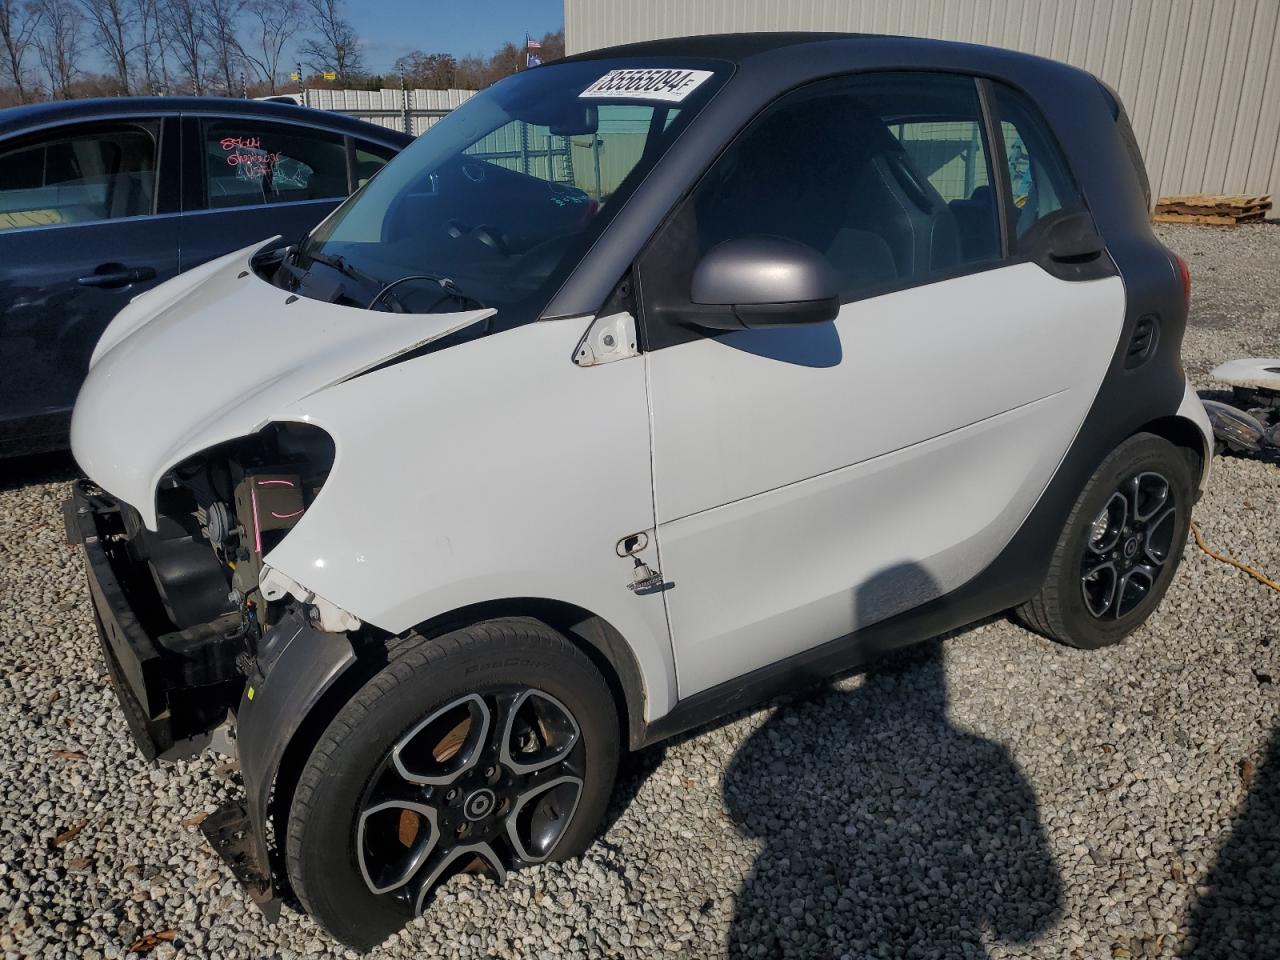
(386, 107)
(1200, 78)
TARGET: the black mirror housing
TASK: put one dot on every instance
(764, 281)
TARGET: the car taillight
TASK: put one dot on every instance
(1184, 274)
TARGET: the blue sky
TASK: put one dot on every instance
(391, 28)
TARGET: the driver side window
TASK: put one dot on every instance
(886, 175)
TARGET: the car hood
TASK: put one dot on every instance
(216, 354)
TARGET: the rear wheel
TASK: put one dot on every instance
(481, 751)
(1120, 547)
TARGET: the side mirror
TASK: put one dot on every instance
(763, 281)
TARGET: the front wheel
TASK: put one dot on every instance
(1120, 547)
(481, 751)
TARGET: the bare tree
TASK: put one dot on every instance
(151, 46)
(336, 47)
(183, 23)
(61, 44)
(18, 25)
(112, 23)
(273, 23)
(221, 19)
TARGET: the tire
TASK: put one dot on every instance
(1069, 606)
(411, 775)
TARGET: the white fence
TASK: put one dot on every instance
(412, 111)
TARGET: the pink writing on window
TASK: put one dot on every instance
(230, 143)
(247, 155)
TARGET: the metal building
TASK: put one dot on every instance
(1200, 78)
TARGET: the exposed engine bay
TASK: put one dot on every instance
(221, 512)
(194, 584)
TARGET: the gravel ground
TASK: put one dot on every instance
(996, 795)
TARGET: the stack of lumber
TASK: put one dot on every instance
(1227, 209)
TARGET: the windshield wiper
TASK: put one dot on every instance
(341, 265)
(344, 268)
(445, 283)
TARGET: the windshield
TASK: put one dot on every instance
(499, 200)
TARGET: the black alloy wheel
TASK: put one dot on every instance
(1117, 553)
(1129, 542)
(483, 751)
(483, 783)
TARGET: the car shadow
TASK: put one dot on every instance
(29, 469)
(1239, 915)
(884, 826)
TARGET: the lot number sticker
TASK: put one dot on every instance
(652, 83)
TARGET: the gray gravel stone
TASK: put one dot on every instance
(994, 795)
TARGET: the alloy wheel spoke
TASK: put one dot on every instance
(539, 732)
(1152, 492)
(1099, 588)
(445, 745)
(1110, 523)
(540, 816)
(464, 858)
(1132, 497)
(393, 840)
(1159, 537)
(1133, 587)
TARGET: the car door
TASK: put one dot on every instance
(813, 480)
(88, 220)
(248, 180)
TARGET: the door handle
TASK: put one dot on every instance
(120, 277)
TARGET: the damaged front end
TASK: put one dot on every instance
(197, 631)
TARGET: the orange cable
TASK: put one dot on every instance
(1262, 578)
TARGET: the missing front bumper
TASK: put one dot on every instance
(156, 676)
(174, 685)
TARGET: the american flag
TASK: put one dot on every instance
(533, 44)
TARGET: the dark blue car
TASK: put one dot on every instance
(103, 199)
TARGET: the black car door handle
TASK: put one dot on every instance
(118, 278)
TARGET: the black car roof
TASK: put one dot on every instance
(36, 115)
(734, 47)
(739, 48)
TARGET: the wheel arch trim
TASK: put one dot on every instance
(603, 644)
(1189, 429)
(296, 668)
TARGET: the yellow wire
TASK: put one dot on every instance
(1262, 578)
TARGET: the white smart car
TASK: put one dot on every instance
(643, 385)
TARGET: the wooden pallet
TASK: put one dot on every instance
(1225, 209)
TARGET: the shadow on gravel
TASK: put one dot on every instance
(887, 831)
(1240, 914)
(23, 471)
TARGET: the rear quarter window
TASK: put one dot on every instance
(1039, 178)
